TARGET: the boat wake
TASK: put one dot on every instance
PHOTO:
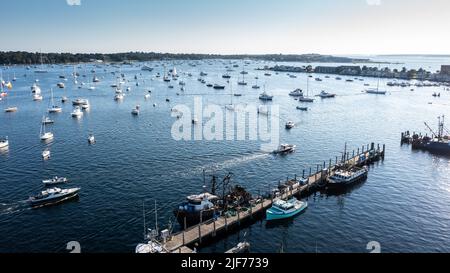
(7, 209)
(217, 166)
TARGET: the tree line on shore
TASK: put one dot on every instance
(30, 58)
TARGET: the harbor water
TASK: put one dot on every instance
(403, 205)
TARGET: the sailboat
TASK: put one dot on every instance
(44, 136)
(230, 106)
(243, 73)
(41, 70)
(376, 91)
(307, 98)
(53, 108)
(256, 86)
(4, 94)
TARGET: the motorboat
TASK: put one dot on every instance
(46, 154)
(86, 106)
(296, 93)
(302, 108)
(326, 95)
(152, 247)
(37, 97)
(285, 149)
(79, 102)
(290, 125)
(61, 85)
(64, 99)
(285, 209)
(11, 109)
(77, 113)
(219, 87)
(119, 96)
(4, 143)
(55, 181)
(256, 86)
(347, 176)
(53, 196)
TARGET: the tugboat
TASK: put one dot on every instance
(53, 196)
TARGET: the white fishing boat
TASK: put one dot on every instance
(77, 113)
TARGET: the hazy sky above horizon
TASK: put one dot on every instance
(228, 26)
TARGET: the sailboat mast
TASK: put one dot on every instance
(143, 214)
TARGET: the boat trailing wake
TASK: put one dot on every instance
(6, 209)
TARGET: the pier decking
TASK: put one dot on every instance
(179, 242)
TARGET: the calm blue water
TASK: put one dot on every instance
(403, 205)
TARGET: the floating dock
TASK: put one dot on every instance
(179, 242)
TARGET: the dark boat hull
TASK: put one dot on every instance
(193, 218)
(343, 186)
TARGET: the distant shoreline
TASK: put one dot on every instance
(29, 58)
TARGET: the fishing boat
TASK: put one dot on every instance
(53, 196)
(326, 95)
(290, 125)
(45, 136)
(285, 209)
(77, 113)
(55, 181)
(285, 149)
(4, 143)
(346, 176)
(197, 208)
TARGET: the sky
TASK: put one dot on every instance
(337, 27)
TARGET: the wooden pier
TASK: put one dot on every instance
(179, 242)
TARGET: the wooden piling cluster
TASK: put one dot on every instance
(197, 234)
